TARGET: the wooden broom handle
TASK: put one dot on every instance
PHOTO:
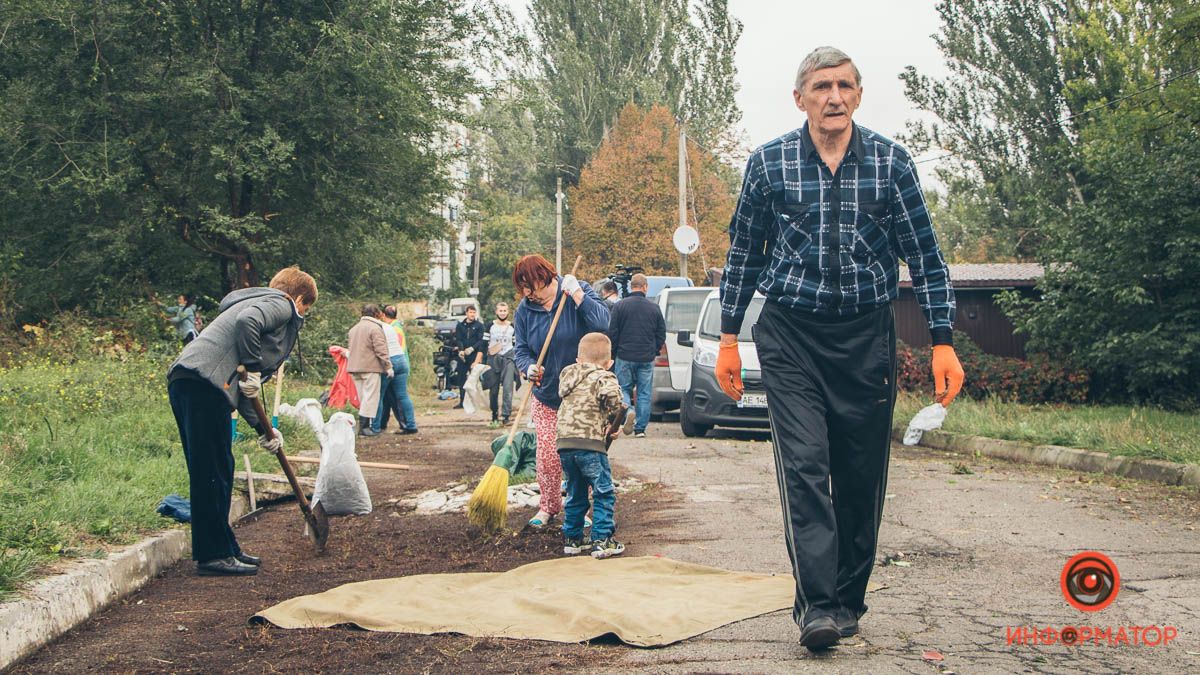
(512, 433)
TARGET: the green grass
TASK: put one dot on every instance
(1121, 430)
(87, 450)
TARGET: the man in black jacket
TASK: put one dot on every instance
(468, 335)
(638, 333)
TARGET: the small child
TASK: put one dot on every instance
(590, 416)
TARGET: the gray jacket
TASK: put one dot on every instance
(183, 318)
(257, 328)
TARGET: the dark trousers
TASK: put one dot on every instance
(202, 414)
(830, 385)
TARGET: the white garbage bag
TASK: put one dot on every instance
(340, 484)
(306, 410)
(477, 396)
(927, 419)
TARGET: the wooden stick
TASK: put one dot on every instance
(366, 465)
(250, 482)
(278, 393)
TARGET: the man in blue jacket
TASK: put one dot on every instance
(257, 328)
(638, 332)
(543, 290)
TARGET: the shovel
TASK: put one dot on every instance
(315, 517)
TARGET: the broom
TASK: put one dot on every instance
(488, 506)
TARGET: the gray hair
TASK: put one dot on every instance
(824, 57)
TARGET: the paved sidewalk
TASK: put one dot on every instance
(985, 550)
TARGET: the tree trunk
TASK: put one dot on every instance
(247, 273)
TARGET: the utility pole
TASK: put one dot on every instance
(478, 245)
(558, 197)
(683, 259)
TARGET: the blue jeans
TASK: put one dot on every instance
(639, 375)
(394, 398)
(584, 469)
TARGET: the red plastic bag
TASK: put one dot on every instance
(343, 390)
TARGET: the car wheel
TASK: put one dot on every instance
(691, 429)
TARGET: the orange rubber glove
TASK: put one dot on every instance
(729, 371)
(947, 374)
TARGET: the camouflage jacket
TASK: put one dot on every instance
(591, 398)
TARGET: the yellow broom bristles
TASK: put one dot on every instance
(488, 506)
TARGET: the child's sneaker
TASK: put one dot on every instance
(575, 545)
(606, 548)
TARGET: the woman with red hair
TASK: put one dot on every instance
(543, 289)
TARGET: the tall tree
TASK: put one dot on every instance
(595, 56)
(1120, 291)
(141, 138)
(625, 207)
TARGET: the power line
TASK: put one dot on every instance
(1157, 85)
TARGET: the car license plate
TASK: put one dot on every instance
(753, 401)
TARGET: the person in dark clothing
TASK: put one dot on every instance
(638, 333)
(608, 293)
(468, 335)
(825, 214)
(256, 328)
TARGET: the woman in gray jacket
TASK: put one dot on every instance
(256, 328)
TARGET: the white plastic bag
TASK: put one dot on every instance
(927, 419)
(306, 410)
(340, 485)
(477, 396)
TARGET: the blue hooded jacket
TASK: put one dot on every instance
(533, 322)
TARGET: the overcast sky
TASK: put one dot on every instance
(882, 36)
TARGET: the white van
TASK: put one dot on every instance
(704, 405)
(680, 307)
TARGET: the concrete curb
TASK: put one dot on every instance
(54, 605)
(1157, 471)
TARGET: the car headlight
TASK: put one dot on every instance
(706, 357)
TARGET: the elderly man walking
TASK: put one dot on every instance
(638, 332)
(826, 212)
(369, 366)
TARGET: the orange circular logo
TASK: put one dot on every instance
(1090, 581)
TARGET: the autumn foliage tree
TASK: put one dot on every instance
(626, 206)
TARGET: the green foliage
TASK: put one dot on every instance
(1070, 151)
(1035, 380)
(88, 444)
(140, 140)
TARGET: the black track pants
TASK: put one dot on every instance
(830, 385)
(202, 414)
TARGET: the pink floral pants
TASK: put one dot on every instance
(549, 468)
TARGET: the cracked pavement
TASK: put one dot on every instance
(985, 542)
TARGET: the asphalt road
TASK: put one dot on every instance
(983, 542)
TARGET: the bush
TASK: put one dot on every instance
(1034, 380)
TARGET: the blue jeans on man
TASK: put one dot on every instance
(588, 469)
(394, 398)
(640, 376)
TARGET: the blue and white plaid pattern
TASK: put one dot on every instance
(781, 233)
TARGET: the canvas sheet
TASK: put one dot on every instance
(645, 601)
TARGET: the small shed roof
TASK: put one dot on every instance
(990, 275)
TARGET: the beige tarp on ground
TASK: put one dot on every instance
(644, 601)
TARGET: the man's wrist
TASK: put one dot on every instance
(729, 338)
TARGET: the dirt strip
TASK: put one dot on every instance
(184, 623)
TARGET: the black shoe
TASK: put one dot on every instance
(820, 634)
(458, 406)
(247, 559)
(408, 431)
(847, 622)
(368, 431)
(225, 567)
(505, 422)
